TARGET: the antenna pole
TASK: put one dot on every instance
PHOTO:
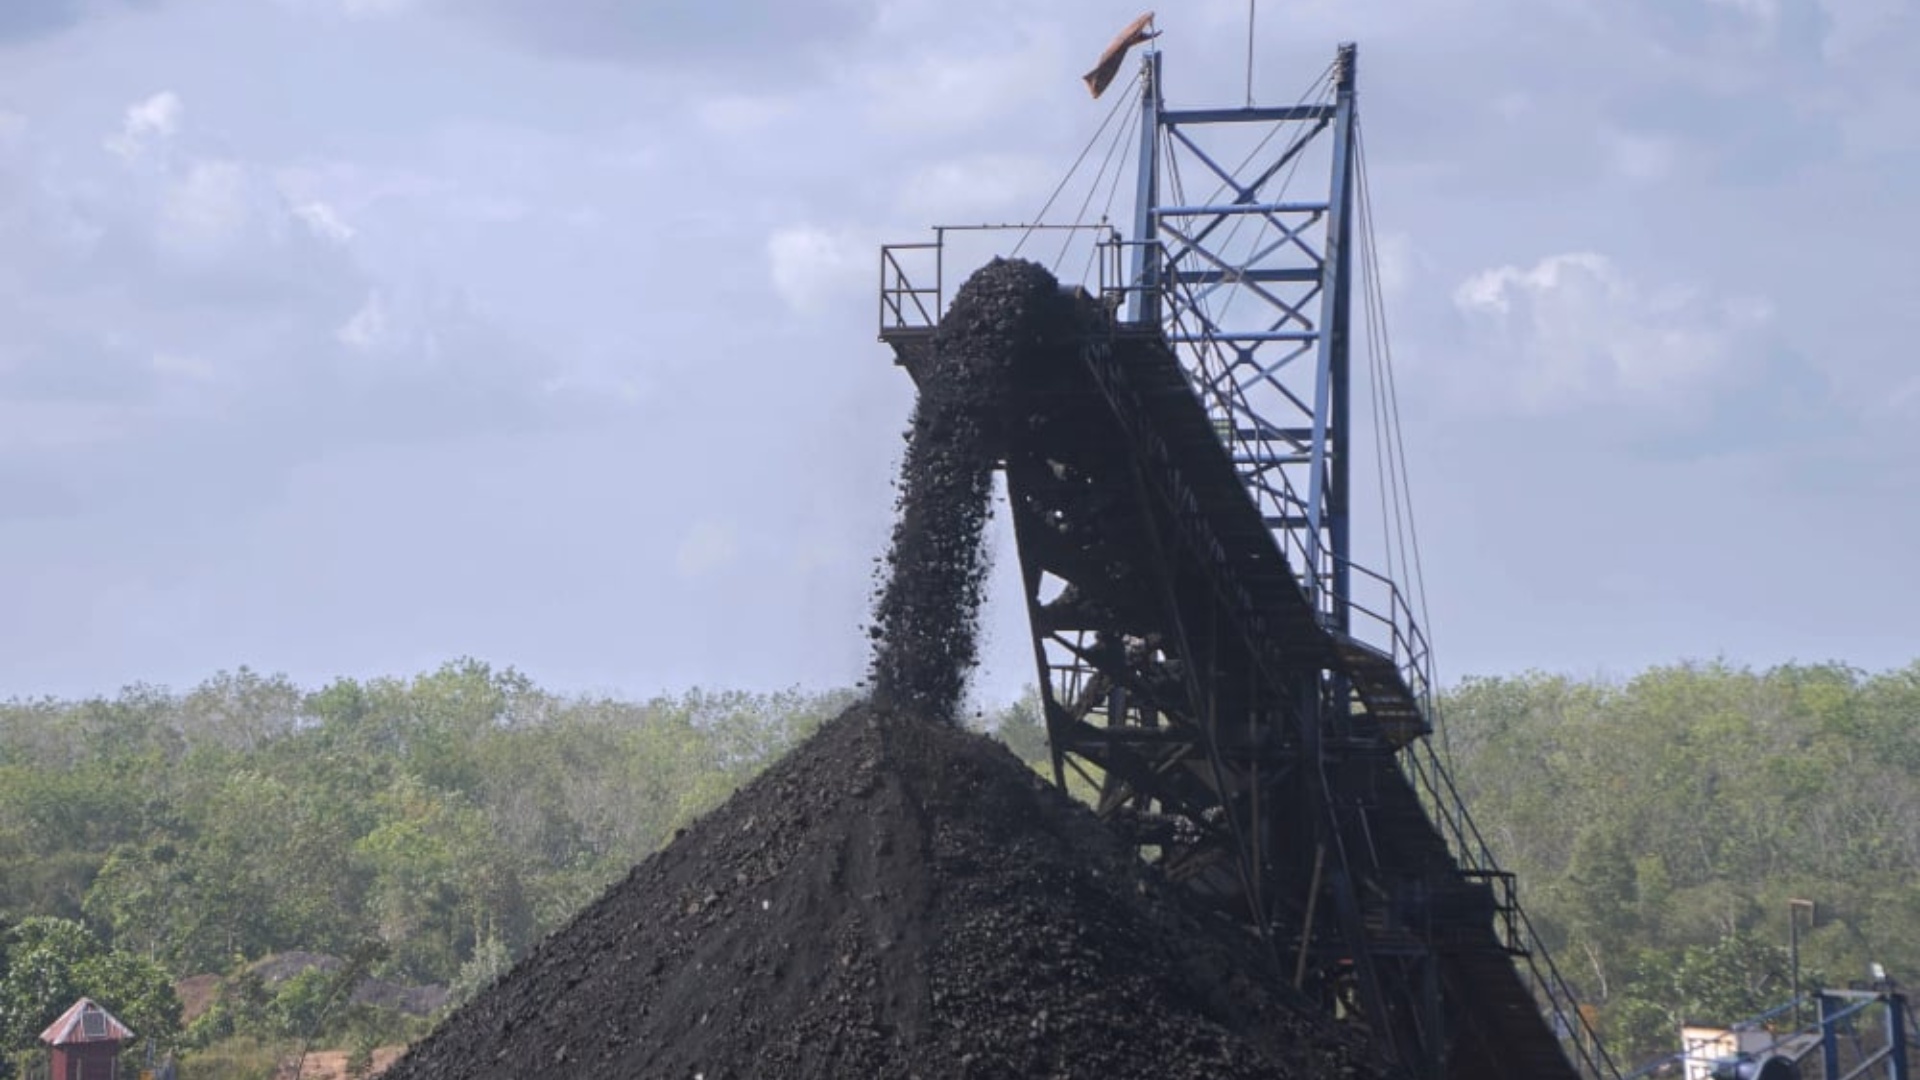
(1250, 6)
(1144, 303)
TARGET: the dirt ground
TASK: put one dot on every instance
(332, 1064)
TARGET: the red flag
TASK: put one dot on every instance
(1103, 72)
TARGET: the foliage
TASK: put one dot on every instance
(454, 818)
(1660, 824)
(243, 1058)
(51, 962)
(489, 961)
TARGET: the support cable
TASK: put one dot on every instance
(1093, 189)
(1119, 102)
(1106, 216)
(1405, 485)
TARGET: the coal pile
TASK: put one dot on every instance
(1008, 314)
(895, 899)
(900, 897)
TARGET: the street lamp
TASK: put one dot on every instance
(1794, 908)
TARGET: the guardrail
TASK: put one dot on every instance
(909, 305)
(1551, 989)
(904, 305)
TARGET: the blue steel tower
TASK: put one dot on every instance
(1255, 291)
(1229, 688)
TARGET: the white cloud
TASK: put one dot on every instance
(1574, 329)
(147, 123)
(1640, 157)
(324, 221)
(1399, 263)
(944, 93)
(371, 328)
(207, 209)
(812, 266)
(708, 546)
(978, 185)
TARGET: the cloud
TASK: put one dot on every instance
(148, 123)
(1640, 157)
(324, 221)
(812, 266)
(177, 311)
(950, 90)
(370, 329)
(744, 40)
(1400, 263)
(1000, 186)
(207, 208)
(22, 20)
(1575, 330)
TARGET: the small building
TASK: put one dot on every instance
(85, 1043)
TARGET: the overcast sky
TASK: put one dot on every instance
(344, 337)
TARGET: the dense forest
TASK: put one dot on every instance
(423, 831)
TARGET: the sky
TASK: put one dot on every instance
(347, 337)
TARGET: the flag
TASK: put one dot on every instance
(1103, 72)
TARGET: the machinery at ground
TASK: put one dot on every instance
(1250, 701)
(1860, 1033)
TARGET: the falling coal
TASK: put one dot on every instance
(926, 621)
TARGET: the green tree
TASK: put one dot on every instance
(52, 962)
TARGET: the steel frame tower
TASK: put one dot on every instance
(1274, 372)
(1246, 703)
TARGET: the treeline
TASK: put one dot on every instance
(434, 827)
(447, 821)
(1660, 826)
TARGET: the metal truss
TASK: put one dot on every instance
(1243, 701)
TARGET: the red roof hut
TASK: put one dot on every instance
(86, 1043)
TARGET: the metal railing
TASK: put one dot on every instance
(908, 304)
(904, 305)
(1395, 631)
(1554, 993)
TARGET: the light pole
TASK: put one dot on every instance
(1794, 908)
